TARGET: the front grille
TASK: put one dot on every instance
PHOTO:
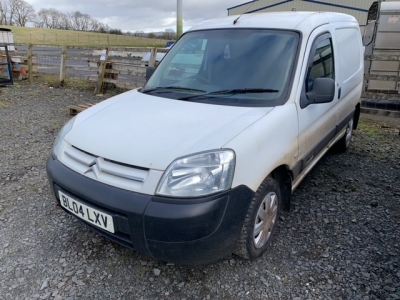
(104, 170)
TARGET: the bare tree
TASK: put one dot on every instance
(86, 20)
(55, 17)
(50, 18)
(139, 33)
(19, 12)
(24, 13)
(76, 19)
(104, 28)
(3, 12)
(43, 18)
(94, 25)
(65, 22)
(12, 8)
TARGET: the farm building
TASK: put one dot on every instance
(357, 8)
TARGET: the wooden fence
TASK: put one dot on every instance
(121, 67)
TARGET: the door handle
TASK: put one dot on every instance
(339, 93)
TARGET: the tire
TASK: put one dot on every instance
(344, 143)
(266, 203)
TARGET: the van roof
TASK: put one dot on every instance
(4, 29)
(302, 21)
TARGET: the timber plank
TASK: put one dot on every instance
(75, 109)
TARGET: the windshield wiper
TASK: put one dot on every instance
(244, 91)
(233, 92)
(180, 88)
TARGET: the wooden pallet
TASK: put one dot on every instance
(75, 109)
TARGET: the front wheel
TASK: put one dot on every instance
(261, 219)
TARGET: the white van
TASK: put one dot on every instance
(197, 164)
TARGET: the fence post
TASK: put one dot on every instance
(153, 55)
(63, 65)
(102, 71)
(30, 63)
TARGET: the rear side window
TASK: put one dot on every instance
(322, 63)
(349, 52)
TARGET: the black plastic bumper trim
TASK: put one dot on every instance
(186, 231)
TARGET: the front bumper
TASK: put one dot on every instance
(184, 231)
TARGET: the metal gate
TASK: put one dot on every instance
(5, 66)
(382, 51)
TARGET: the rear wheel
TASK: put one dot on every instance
(344, 143)
(261, 219)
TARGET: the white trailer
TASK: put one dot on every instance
(382, 47)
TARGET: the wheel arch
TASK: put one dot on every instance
(356, 117)
(284, 177)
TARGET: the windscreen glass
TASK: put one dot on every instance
(229, 67)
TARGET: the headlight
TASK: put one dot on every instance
(198, 174)
(63, 132)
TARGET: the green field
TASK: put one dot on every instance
(41, 36)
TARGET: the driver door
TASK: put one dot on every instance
(317, 122)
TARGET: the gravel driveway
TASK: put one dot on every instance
(340, 241)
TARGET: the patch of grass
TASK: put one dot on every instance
(80, 84)
(50, 79)
(54, 81)
(4, 104)
(42, 36)
(369, 127)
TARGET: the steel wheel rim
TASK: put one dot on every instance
(265, 219)
(349, 131)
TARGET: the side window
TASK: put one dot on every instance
(322, 63)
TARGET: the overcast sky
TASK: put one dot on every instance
(145, 15)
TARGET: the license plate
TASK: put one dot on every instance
(87, 213)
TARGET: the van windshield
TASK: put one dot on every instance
(245, 67)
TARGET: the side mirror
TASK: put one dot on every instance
(323, 91)
(149, 72)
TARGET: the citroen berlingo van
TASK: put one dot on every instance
(196, 165)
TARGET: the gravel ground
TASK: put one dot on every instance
(341, 239)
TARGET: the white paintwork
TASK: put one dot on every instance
(305, 22)
(265, 145)
(151, 132)
(390, 6)
(356, 8)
